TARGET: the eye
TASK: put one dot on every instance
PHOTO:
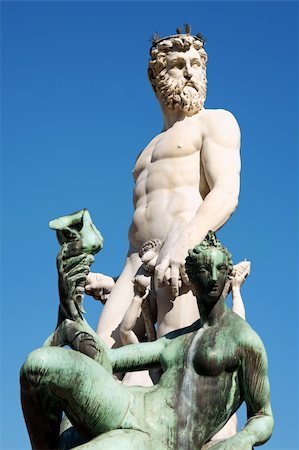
(178, 64)
(195, 64)
(203, 268)
(222, 268)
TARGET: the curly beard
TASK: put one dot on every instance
(183, 95)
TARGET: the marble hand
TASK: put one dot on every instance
(149, 260)
(99, 286)
(142, 286)
(141, 292)
(149, 253)
(240, 273)
(170, 269)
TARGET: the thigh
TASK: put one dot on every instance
(91, 398)
(118, 303)
(175, 313)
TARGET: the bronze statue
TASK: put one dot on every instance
(209, 369)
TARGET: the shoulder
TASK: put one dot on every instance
(221, 126)
(240, 330)
(247, 339)
(214, 117)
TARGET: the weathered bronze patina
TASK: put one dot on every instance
(209, 369)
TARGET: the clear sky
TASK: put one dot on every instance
(77, 109)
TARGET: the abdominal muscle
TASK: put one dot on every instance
(154, 218)
(166, 194)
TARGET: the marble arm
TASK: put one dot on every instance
(99, 286)
(138, 305)
(237, 303)
(220, 163)
(220, 158)
(126, 329)
(241, 271)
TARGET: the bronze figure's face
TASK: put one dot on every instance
(211, 274)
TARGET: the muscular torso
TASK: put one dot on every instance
(169, 181)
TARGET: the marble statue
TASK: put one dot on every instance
(186, 183)
(209, 368)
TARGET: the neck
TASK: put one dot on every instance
(170, 117)
(211, 314)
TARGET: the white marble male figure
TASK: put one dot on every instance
(186, 183)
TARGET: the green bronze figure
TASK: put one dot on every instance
(209, 369)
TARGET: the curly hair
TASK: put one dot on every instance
(210, 241)
(160, 48)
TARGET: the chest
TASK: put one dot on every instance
(176, 144)
(215, 353)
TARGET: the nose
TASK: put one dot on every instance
(213, 277)
(188, 71)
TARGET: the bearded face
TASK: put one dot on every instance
(179, 80)
(181, 95)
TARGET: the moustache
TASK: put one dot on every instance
(192, 84)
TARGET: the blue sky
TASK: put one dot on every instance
(77, 109)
